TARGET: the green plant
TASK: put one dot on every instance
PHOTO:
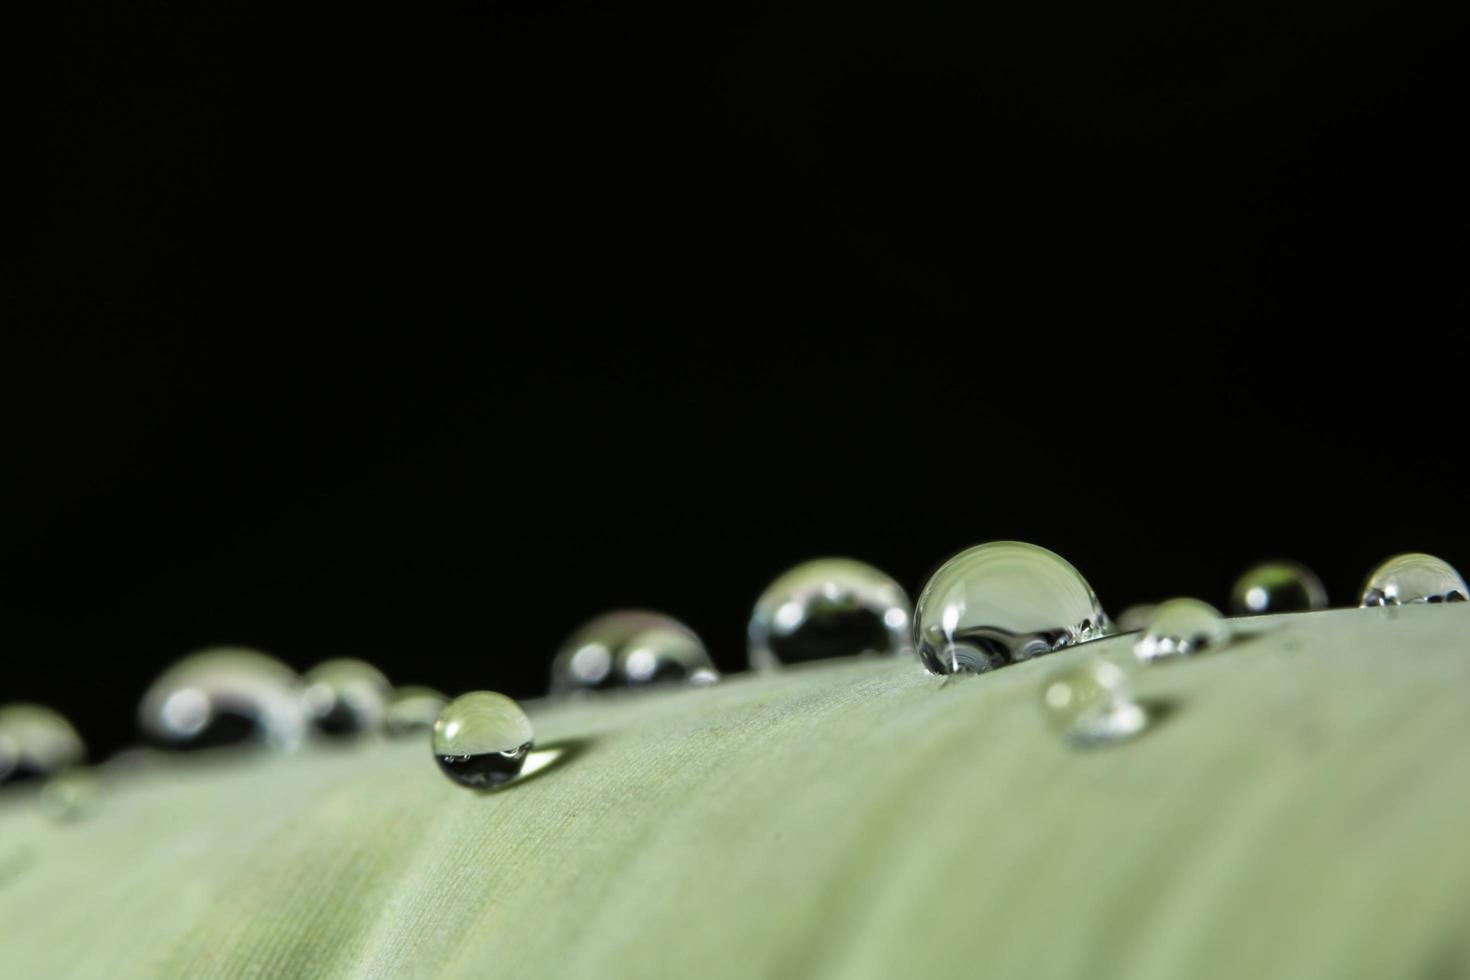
(1297, 810)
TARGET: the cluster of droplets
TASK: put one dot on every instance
(216, 697)
(230, 695)
(988, 607)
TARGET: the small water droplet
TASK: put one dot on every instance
(224, 695)
(346, 696)
(1001, 602)
(831, 607)
(1135, 617)
(1180, 628)
(481, 739)
(1277, 587)
(412, 710)
(630, 648)
(71, 795)
(1413, 578)
(36, 741)
(1091, 703)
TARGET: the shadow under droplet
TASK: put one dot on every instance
(540, 761)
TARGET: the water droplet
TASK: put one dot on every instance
(831, 607)
(1179, 628)
(347, 697)
(1091, 703)
(630, 648)
(481, 739)
(412, 710)
(71, 795)
(1000, 602)
(1277, 587)
(1413, 578)
(36, 741)
(1135, 617)
(223, 695)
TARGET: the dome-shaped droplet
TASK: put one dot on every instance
(1000, 602)
(412, 710)
(224, 695)
(71, 795)
(1181, 627)
(36, 741)
(482, 739)
(831, 607)
(1413, 578)
(1134, 618)
(1091, 703)
(630, 648)
(1277, 587)
(346, 696)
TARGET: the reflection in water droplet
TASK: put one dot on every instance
(1000, 602)
(346, 696)
(1091, 703)
(1277, 587)
(481, 739)
(36, 741)
(630, 648)
(1413, 578)
(225, 695)
(412, 710)
(1135, 617)
(71, 795)
(1179, 628)
(831, 607)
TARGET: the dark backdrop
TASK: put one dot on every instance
(422, 334)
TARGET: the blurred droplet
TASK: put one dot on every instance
(9, 756)
(1277, 587)
(412, 710)
(831, 607)
(1091, 703)
(1411, 579)
(1135, 617)
(1001, 602)
(1179, 628)
(481, 739)
(36, 741)
(630, 648)
(71, 795)
(224, 695)
(347, 697)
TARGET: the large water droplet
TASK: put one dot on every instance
(36, 741)
(412, 710)
(1277, 587)
(1413, 578)
(1181, 627)
(1091, 703)
(1000, 602)
(481, 739)
(831, 607)
(346, 696)
(630, 648)
(225, 695)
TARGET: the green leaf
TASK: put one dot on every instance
(1298, 811)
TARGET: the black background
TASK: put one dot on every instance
(422, 334)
